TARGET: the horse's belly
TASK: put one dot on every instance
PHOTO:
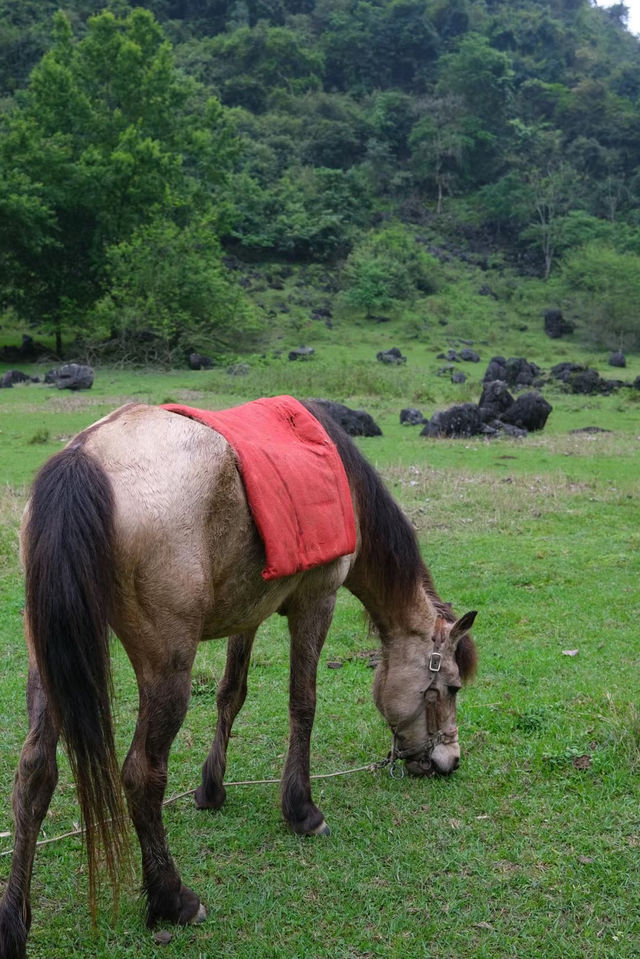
(239, 610)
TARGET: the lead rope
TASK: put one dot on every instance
(370, 767)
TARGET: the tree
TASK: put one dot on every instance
(506, 204)
(408, 44)
(188, 304)
(370, 45)
(451, 18)
(391, 117)
(438, 144)
(550, 186)
(603, 290)
(551, 190)
(108, 136)
(309, 213)
(251, 64)
(481, 78)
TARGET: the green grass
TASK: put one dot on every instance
(531, 849)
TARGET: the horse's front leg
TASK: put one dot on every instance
(36, 780)
(232, 693)
(163, 704)
(308, 625)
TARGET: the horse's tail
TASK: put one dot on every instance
(68, 558)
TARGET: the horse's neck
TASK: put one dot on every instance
(395, 624)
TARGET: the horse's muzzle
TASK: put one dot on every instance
(420, 767)
(441, 759)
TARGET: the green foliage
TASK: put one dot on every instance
(372, 45)
(387, 267)
(309, 212)
(440, 146)
(514, 127)
(481, 78)
(107, 136)
(250, 65)
(168, 281)
(603, 288)
(26, 35)
(506, 204)
(391, 116)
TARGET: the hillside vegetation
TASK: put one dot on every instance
(148, 154)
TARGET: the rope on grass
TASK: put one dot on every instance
(370, 767)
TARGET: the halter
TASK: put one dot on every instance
(435, 739)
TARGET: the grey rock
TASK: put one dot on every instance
(301, 353)
(392, 356)
(411, 417)
(353, 422)
(71, 376)
(462, 420)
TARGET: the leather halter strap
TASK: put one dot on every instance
(430, 743)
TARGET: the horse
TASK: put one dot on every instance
(140, 525)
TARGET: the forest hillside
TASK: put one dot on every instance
(149, 153)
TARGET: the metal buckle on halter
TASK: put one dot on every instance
(435, 661)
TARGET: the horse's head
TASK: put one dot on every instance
(415, 689)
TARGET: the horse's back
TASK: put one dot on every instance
(187, 547)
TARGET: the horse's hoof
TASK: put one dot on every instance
(199, 917)
(313, 824)
(182, 907)
(191, 909)
(213, 800)
(162, 938)
(321, 830)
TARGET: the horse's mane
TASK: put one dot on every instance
(389, 552)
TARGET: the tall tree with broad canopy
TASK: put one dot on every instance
(108, 136)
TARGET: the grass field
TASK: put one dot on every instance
(533, 847)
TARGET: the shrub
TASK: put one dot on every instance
(603, 290)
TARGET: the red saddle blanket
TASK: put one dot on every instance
(294, 479)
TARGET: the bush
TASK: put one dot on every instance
(385, 268)
(168, 286)
(603, 291)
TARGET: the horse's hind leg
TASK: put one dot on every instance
(232, 693)
(308, 625)
(164, 698)
(34, 785)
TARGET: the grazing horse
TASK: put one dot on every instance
(142, 524)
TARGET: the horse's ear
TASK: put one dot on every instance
(463, 625)
(465, 652)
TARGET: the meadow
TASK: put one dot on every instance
(532, 847)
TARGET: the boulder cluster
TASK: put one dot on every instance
(584, 379)
(71, 376)
(11, 377)
(497, 412)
